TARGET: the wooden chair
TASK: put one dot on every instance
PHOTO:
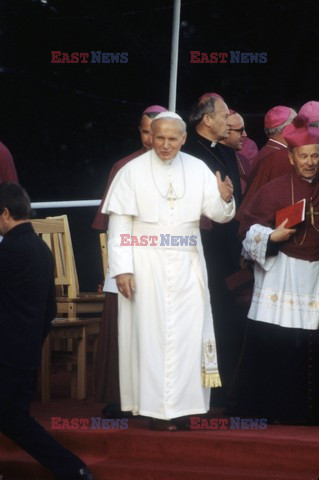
(71, 302)
(74, 327)
(79, 330)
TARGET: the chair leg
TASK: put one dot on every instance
(94, 359)
(73, 368)
(82, 366)
(74, 381)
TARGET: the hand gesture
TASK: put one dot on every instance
(281, 234)
(126, 285)
(225, 187)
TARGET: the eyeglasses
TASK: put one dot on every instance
(238, 130)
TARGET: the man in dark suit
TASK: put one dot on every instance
(222, 248)
(27, 307)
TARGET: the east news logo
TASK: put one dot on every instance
(227, 57)
(231, 423)
(88, 57)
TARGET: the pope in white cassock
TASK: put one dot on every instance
(166, 339)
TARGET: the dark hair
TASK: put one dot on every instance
(203, 107)
(15, 199)
(151, 115)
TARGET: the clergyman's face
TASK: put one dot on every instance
(237, 129)
(218, 124)
(305, 160)
(146, 132)
(168, 137)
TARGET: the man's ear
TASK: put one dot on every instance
(291, 159)
(207, 119)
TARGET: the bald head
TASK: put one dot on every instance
(237, 130)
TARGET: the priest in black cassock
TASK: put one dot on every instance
(278, 377)
(221, 245)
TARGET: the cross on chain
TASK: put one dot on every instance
(171, 197)
(312, 213)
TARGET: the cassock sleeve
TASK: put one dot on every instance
(101, 220)
(255, 246)
(120, 254)
(214, 206)
(8, 171)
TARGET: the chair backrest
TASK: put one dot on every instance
(56, 234)
(104, 254)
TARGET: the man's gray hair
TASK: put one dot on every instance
(276, 130)
(204, 107)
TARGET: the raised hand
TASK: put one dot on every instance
(225, 187)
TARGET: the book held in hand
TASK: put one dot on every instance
(295, 214)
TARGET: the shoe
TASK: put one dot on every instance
(113, 410)
(85, 474)
(82, 474)
(182, 423)
(162, 425)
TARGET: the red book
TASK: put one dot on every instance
(295, 214)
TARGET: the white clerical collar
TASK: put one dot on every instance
(213, 144)
(309, 180)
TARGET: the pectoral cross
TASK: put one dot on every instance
(171, 197)
(312, 213)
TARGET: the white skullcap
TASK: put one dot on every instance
(168, 114)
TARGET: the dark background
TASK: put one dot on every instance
(66, 124)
